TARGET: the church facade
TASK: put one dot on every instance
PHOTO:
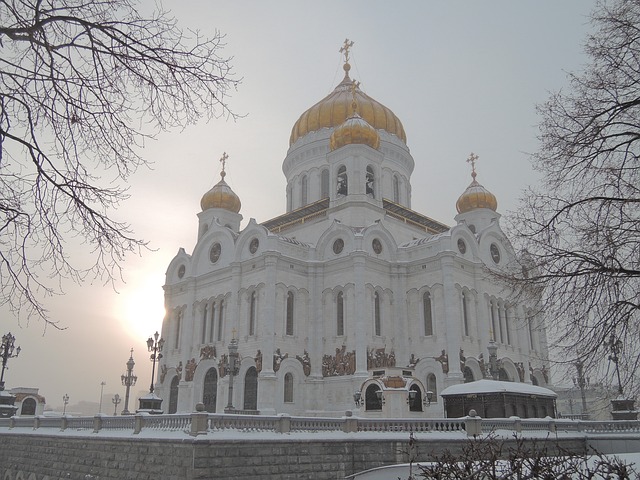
(351, 300)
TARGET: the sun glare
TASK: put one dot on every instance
(142, 309)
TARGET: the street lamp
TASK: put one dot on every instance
(102, 384)
(493, 360)
(7, 349)
(581, 382)
(233, 371)
(128, 380)
(65, 401)
(154, 345)
(116, 401)
(615, 344)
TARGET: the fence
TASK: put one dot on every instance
(199, 423)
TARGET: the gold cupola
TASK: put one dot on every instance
(355, 129)
(221, 195)
(333, 110)
(475, 196)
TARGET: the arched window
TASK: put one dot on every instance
(468, 375)
(28, 407)
(340, 314)
(288, 388)
(251, 389)
(205, 312)
(396, 189)
(304, 190)
(415, 399)
(173, 394)
(210, 390)
(343, 182)
(370, 183)
(432, 387)
(324, 184)
(377, 320)
(252, 314)
(465, 315)
(373, 398)
(426, 312)
(289, 314)
(503, 375)
(220, 319)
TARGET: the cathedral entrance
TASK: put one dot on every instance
(173, 395)
(210, 390)
(251, 389)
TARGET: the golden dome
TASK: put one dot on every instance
(335, 108)
(221, 196)
(355, 130)
(476, 196)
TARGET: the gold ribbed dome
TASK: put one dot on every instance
(355, 130)
(476, 196)
(335, 108)
(221, 196)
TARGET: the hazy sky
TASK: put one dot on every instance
(462, 76)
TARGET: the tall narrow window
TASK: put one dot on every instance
(426, 311)
(492, 308)
(220, 319)
(252, 314)
(396, 189)
(288, 388)
(370, 182)
(340, 314)
(343, 181)
(205, 319)
(500, 322)
(506, 325)
(304, 187)
(324, 184)
(289, 319)
(432, 387)
(289, 198)
(376, 314)
(212, 321)
(531, 332)
(178, 325)
(465, 315)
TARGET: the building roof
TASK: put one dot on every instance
(496, 386)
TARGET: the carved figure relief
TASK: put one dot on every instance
(223, 365)
(190, 370)
(520, 368)
(343, 363)
(483, 366)
(258, 360)
(444, 361)
(306, 362)
(179, 371)
(413, 361)
(207, 352)
(463, 360)
(163, 373)
(277, 359)
(378, 358)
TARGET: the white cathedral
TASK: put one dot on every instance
(350, 300)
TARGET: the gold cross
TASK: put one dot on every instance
(223, 159)
(472, 160)
(345, 49)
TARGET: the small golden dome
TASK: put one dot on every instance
(355, 130)
(335, 108)
(221, 195)
(476, 196)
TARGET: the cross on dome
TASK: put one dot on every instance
(472, 160)
(223, 161)
(345, 49)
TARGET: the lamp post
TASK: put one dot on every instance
(65, 401)
(102, 384)
(128, 380)
(615, 345)
(493, 360)
(233, 371)
(7, 349)
(154, 345)
(116, 401)
(581, 383)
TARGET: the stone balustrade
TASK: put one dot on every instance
(199, 423)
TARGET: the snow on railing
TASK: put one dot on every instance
(201, 423)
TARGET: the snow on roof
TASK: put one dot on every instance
(496, 386)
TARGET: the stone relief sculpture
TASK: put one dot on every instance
(163, 373)
(207, 352)
(413, 361)
(444, 361)
(306, 363)
(190, 370)
(258, 360)
(463, 360)
(378, 358)
(343, 363)
(223, 365)
(483, 366)
(520, 368)
(179, 371)
(277, 359)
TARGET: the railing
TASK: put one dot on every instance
(200, 423)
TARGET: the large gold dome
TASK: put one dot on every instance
(335, 108)
(221, 196)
